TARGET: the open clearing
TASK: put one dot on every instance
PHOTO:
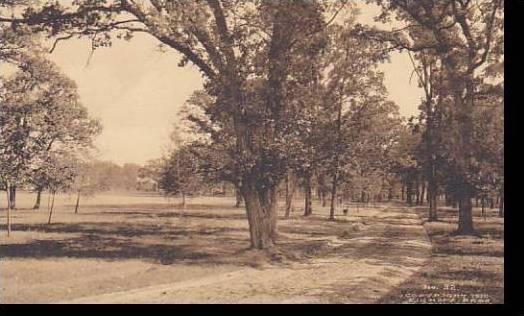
(143, 249)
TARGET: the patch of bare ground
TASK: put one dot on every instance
(154, 252)
(461, 269)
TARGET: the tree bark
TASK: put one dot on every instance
(261, 213)
(38, 198)
(465, 221)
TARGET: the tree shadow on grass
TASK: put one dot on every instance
(115, 241)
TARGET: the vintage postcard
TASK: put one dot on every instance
(256, 151)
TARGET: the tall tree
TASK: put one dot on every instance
(180, 174)
(465, 36)
(40, 115)
(229, 42)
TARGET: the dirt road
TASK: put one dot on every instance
(380, 249)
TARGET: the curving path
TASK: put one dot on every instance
(386, 247)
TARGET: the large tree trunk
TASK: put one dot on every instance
(38, 198)
(77, 202)
(432, 197)
(308, 209)
(463, 147)
(465, 221)
(432, 192)
(261, 214)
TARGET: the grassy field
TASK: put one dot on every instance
(138, 248)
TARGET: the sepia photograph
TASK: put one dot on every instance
(252, 152)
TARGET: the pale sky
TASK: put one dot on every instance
(136, 91)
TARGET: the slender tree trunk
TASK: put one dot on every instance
(51, 209)
(183, 200)
(38, 198)
(333, 197)
(12, 196)
(482, 207)
(402, 190)
(238, 197)
(324, 199)
(422, 193)
(432, 191)
(77, 202)
(390, 194)
(8, 191)
(290, 192)
(409, 193)
(417, 192)
(501, 203)
(308, 209)
(48, 200)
